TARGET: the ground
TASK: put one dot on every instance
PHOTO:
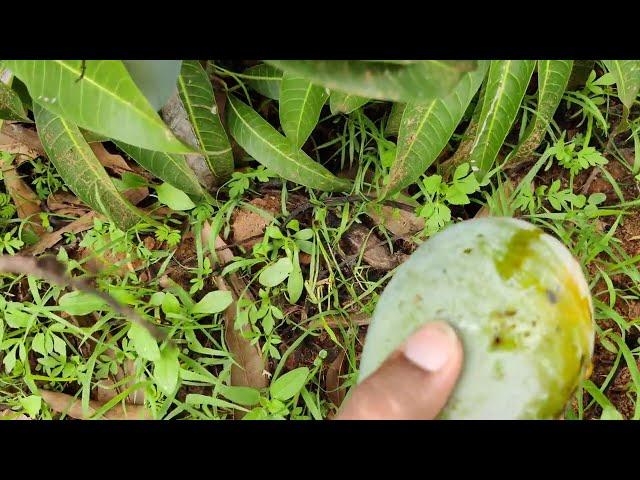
(345, 249)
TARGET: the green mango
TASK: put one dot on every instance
(520, 305)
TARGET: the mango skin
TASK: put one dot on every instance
(520, 304)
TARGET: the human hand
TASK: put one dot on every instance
(414, 383)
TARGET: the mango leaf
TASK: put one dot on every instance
(553, 76)
(199, 102)
(81, 170)
(416, 81)
(345, 102)
(263, 142)
(464, 147)
(392, 128)
(106, 100)
(300, 104)
(156, 79)
(506, 85)
(172, 168)
(627, 76)
(426, 128)
(264, 79)
(11, 107)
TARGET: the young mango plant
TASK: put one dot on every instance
(431, 100)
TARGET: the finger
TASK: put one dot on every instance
(414, 382)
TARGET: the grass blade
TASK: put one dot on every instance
(300, 104)
(263, 142)
(90, 102)
(198, 99)
(506, 85)
(81, 170)
(416, 81)
(425, 130)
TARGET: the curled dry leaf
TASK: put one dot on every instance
(9, 414)
(20, 140)
(64, 203)
(402, 223)
(66, 404)
(27, 203)
(48, 240)
(107, 389)
(333, 381)
(177, 119)
(113, 162)
(375, 252)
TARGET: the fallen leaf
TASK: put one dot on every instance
(11, 415)
(402, 223)
(176, 117)
(109, 160)
(249, 367)
(22, 139)
(107, 390)
(248, 226)
(375, 253)
(63, 403)
(48, 240)
(27, 203)
(333, 383)
(64, 203)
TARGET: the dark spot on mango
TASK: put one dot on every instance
(551, 295)
(468, 250)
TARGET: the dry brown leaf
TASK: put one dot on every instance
(175, 115)
(27, 203)
(109, 160)
(248, 225)
(401, 223)
(64, 203)
(333, 382)
(249, 367)
(48, 240)
(106, 389)
(63, 403)
(11, 415)
(376, 253)
(21, 140)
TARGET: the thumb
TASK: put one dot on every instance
(414, 383)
